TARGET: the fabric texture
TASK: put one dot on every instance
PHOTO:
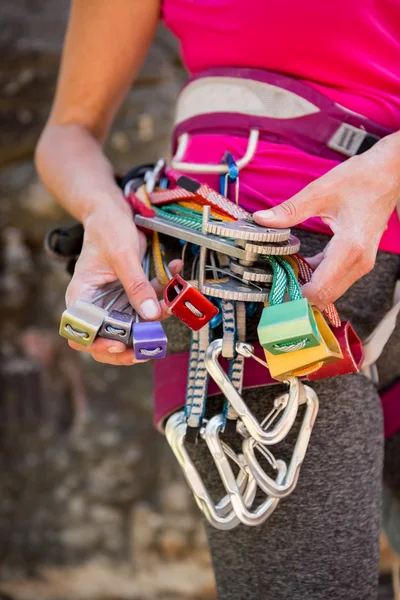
(348, 51)
(323, 541)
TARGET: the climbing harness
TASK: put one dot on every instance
(238, 265)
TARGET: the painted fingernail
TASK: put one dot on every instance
(149, 309)
(115, 350)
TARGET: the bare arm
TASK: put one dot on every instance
(105, 45)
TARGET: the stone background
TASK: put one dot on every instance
(92, 504)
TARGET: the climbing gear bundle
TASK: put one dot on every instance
(238, 266)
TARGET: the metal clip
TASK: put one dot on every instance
(285, 487)
(254, 428)
(221, 515)
(246, 516)
(152, 177)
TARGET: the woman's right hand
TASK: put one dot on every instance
(113, 249)
(97, 70)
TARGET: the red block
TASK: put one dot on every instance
(188, 304)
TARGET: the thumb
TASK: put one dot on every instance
(297, 209)
(139, 290)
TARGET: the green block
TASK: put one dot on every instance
(288, 326)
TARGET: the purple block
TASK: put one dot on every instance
(149, 340)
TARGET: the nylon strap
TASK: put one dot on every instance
(236, 367)
(204, 195)
(279, 283)
(158, 260)
(305, 274)
(199, 385)
(293, 285)
(193, 359)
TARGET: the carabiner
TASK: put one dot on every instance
(221, 516)
(255, 429)
(285, 487)
(246, 516)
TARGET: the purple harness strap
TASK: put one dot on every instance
(391, 409)
(311, 133)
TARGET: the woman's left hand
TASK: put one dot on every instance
(356, 199)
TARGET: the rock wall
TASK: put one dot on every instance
(92, 505)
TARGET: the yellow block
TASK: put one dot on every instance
(286, 365)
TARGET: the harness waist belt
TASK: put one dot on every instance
(237, 101)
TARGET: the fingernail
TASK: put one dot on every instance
(265, 214)
(149, 309)
(115, 350)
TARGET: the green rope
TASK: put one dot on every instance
(279, 283)
(293, 285)
(183, 211)
(180, 220)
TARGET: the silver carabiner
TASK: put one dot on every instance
(221, 516)
(285, 487)
(255, 429)
(246, 516)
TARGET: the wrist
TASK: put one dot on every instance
(388, 150)
(103, 207)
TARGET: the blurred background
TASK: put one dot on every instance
(92, 503)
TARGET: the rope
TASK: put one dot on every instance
(74, 332)
(194, 310)
(293, 264)
(186, 222)
(115, 331)
(289, 347)
(293, 285)
(305, 274)
(158, 260)
(279, 283)
(150, 352)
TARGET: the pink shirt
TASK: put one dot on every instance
(348, 49)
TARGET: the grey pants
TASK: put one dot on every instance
(323, 541)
